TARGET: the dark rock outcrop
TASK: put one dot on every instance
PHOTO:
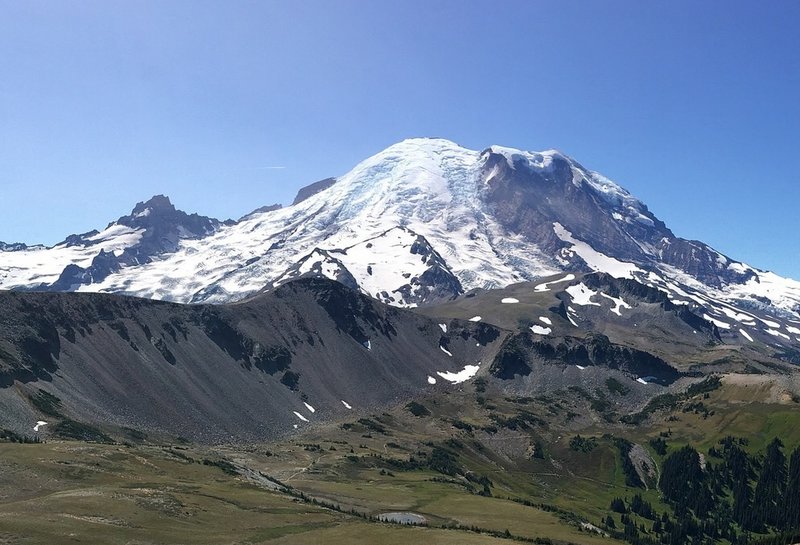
(312, 189)
(520, 350)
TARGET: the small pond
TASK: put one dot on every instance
(403, 518)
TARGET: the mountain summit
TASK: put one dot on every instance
(423, 220)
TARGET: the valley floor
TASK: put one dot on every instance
(504, 470)
(68, 492)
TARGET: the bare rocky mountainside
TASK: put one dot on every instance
(314, 351)
(310, 350)
(526, 268)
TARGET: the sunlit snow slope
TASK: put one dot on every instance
(423, 220)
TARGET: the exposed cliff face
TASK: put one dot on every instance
(529, 194)
(312, 189)
(519, 351)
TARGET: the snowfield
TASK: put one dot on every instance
(464, 375)
(415, 210)
(545, 286)
(582, 295)
(594, 259)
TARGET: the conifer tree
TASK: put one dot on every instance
(792, 502)
(768, 507)
(742, 502)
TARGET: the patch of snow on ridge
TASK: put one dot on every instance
(539, 330)
(384, 263)
(594, 259)
(769, 323)
(38, 265)
(570, 312)
(783, 293)
(746, 335)
(794, 330)
(776, 333)
(738, 316)
(544, 286)
(300, 416)
(509, 300)
(346, 404)
(39, 424)
(443, 327)
(443, 349)
(309, 407)
(465, 374)
(431, 380)
(619, 304)
(328, 269)
(719, 323)
(740, 268)
(619, 198)
(582, 294)
(116, 237)
(545, 320)
(532, 160)
(475, 319)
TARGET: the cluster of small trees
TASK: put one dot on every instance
(13, 437)
(731, 496)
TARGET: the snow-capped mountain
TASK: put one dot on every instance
(406, 259)
(154, 228)
(423, 220)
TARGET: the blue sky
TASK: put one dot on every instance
(692, 106)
